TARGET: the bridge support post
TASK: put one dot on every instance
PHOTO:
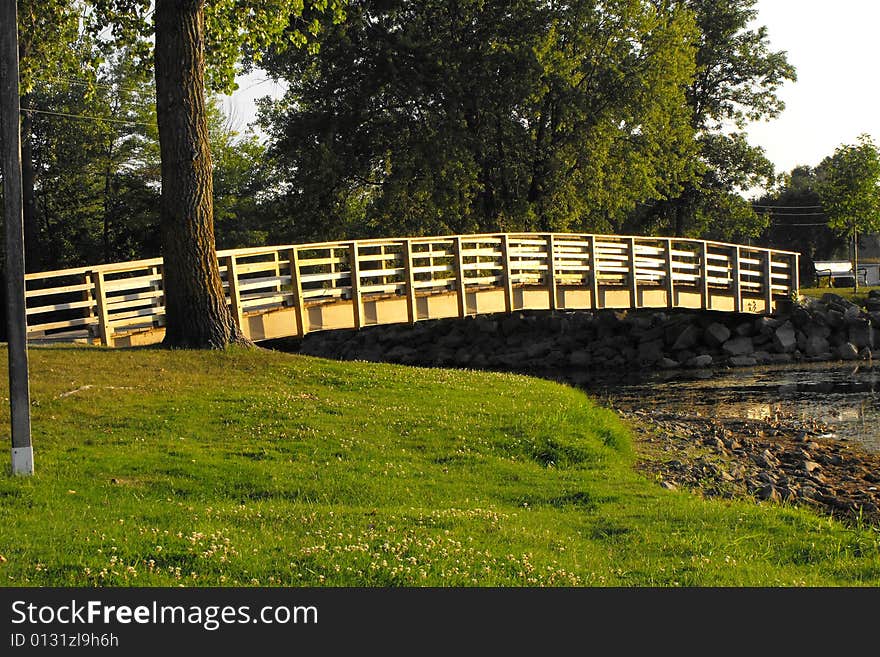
(594, 273)
(670, 277)
(704, 276)
(296, 287)
(459, 277)
(234, 292)
(508, 272)
(411, 309)
(158, 286)
(767, 279)
(551, 272)
(735, 275)
(355, 273)
(795, 276)
(104, 329)
(633, 273)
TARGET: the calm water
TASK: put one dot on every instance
(845, 397)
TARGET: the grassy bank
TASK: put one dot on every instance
(846, 292)
(252, 467)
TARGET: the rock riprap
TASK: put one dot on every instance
(574, 344)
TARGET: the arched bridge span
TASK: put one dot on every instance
(280, 291)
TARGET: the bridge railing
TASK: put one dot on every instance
(99, 302)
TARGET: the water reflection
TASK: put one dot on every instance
(845, 397)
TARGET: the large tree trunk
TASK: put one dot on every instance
(195, 306)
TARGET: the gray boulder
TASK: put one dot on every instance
(716, 334)
(741, 346)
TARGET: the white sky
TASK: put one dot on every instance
(835, 47)
(833, 44)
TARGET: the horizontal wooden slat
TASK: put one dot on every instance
(60, 306)
(319, 278)
(132, 283)
(79, 321)
(64, 289)
(388, 288)
(375, 273)
(439, 282)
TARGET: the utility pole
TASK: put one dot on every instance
(10, 137)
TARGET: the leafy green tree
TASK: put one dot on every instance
(850, 192)
(737, 79)
(49, 43)
(438, 117)
(95, 164)
(243, 176)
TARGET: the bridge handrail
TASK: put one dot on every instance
(98, 301)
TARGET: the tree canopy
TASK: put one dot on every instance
(439, 116)
(736, 80)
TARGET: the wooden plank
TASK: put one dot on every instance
(430, 269)
(439, 283)
(242, 268)
(378, 257)
(551, 272)
(39, 310)
(486, 280)
(104, 329)
(480, 266)
(767, 282)
(670, 277)
(321, 278)
(234, 291)
(459, 277)
(737, 289)
(357, 300)
(704, 278)
(382, 273)
(318, 262)
(134, 283)
(47, 291)
(633, 274)
(87, 294)
(273, 283)
(410, 278)
(470, 253)
(795, 273)
(386, 288)
(79, 321)
(594, 274)
(330, 292)
(275, 300)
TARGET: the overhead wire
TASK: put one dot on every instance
(86, 117)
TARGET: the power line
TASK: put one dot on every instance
(824, 223)
(85, 117)
(788, 207)
(795, 214)
(85, 83)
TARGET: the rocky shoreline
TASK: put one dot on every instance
(787, 461)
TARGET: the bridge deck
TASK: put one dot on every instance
(290, 290)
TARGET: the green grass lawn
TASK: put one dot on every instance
(846, 292)
(248, 467)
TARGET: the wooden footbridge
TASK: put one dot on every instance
(290, 290)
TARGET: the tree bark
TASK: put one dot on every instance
(195, 306)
